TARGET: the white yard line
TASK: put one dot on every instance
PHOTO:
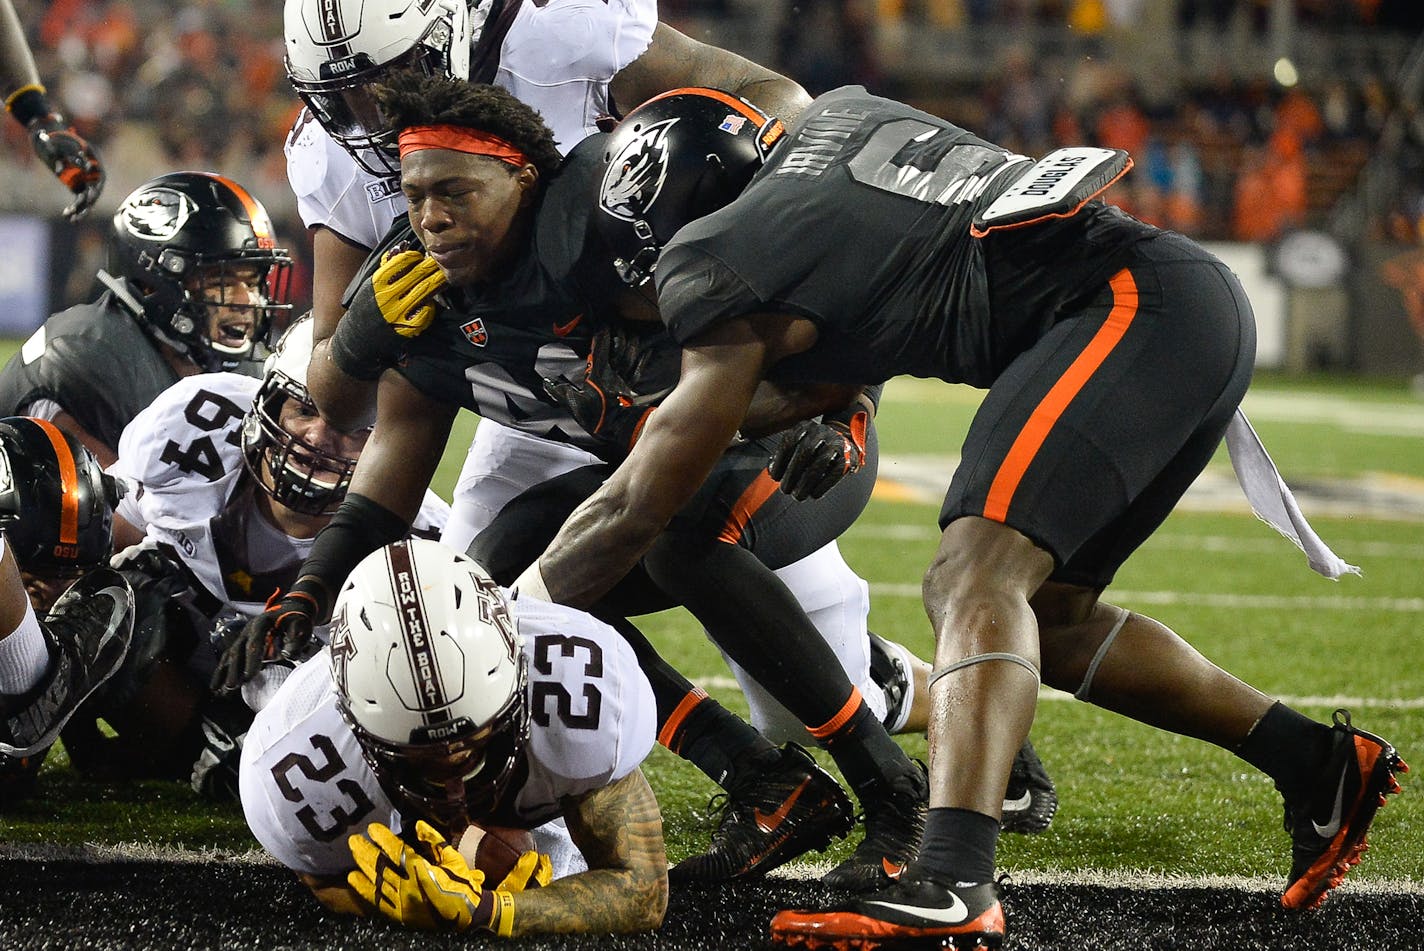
(1271, 602)
(1358, 883)
(1268, 545)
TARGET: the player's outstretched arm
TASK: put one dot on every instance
(619, 829)
(673, 60)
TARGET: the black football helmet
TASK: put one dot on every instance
(182, 234)
(56, 501)
(675, 158)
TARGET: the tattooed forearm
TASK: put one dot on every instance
(620, 832)
(674, 60)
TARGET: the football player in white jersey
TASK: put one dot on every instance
(56, 508)
(440, 703)
(232, 477)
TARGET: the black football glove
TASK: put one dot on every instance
(816, 454)
(604, 402)
(63, 151)
(283, 632)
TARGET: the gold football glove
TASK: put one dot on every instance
(426, 886)
(533, 870)
(405, 284)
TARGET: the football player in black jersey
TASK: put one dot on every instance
(56, 516)
(873, 240)
(536, 261)
(62, 150)
(195, 280)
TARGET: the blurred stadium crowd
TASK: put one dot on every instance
(1228, 145)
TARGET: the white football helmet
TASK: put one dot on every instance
(337, 49)
(303, 477)
(430, 676)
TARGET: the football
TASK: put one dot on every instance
(494, 850)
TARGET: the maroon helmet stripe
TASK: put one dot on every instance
(418, 638)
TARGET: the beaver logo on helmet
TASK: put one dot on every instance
(155, 214)
(636, 172)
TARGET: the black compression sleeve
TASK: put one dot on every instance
(359, 527)
(365, 345)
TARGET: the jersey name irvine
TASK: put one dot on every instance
(820, 141)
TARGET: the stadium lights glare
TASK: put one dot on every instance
(1285, 72)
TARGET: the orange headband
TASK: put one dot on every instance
(458, 139)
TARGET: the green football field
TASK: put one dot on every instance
(1133, 800)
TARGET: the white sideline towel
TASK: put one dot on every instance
(1271, 498)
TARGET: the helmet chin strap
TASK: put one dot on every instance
(120, 289)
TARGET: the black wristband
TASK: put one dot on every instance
(359, 527)
(871, 395)
(365, 345)
(29, 104)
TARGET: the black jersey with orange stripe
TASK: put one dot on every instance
(860, 220)
(491, 349)
(95, 361)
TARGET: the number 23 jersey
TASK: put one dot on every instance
(306, 787)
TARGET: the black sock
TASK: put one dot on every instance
(1289, 747)
(959, 844)
(864, 751)
(715, 740)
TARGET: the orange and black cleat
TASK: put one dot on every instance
(918, 911)
(1328, 832)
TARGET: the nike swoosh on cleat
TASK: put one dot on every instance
(563, 330)
(1015, 805)
(893, 869)
(955, 914)
(769, 822)
(1328, 830)
(112, 629)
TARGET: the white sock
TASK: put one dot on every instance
(24, 658)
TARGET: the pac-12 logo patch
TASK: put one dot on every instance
(474, 332)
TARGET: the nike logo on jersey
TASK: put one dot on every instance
(770, 823)
(563, 330)
(955, 914)
(1328, 830)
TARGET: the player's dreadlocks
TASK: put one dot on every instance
(408, 99)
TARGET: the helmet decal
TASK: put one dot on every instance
(156, 214)
(637, 172)
(432, 698)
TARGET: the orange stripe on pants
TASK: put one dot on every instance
(1046, 414)
(751, 500)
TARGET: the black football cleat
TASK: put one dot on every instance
(1031, 799)
(918, 911)
(88, 633)
(1328, 832)
(769, 818)
(894, 810)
